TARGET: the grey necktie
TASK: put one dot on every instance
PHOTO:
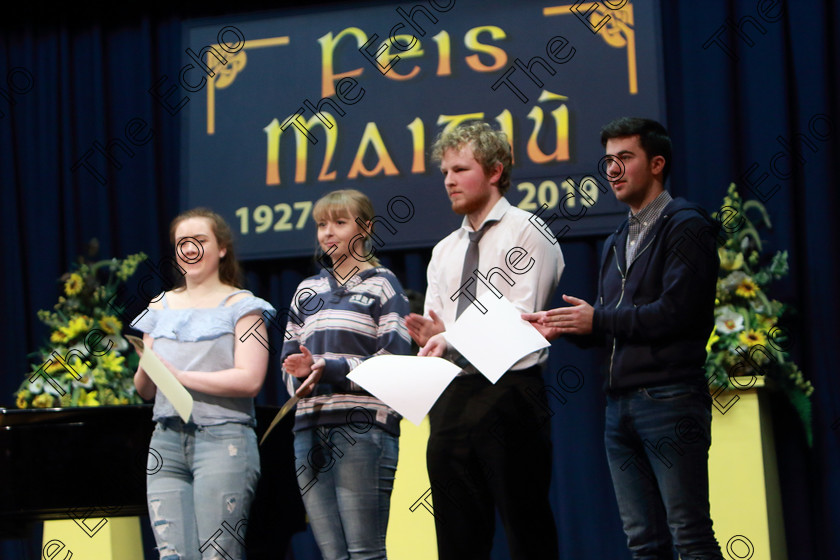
(471, 264)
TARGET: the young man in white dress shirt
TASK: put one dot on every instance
(490, 446)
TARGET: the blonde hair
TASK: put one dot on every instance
(489, 147)
(345, 203)
(229, 271)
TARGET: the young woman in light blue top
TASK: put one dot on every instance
(201, 490)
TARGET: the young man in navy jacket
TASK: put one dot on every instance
(655, 313)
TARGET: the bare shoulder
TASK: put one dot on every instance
(157, 301)
(237, 297)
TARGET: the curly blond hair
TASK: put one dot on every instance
(489, 147)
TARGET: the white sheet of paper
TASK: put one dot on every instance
(496, 340)
(163, 379)
(408, 384)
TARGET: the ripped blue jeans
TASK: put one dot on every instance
(200, 487)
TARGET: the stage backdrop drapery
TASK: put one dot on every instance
(743, 79)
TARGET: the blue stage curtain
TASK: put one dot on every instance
(733, 104)
(727, 108)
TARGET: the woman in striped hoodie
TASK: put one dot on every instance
(346, 440)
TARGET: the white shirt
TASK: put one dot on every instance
(532, 290)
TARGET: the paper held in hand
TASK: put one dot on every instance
(163, 378)
(408, 384)
(493, 341)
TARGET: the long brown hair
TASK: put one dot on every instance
(229, 271)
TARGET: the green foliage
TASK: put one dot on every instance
(746, 319)
(83, 308)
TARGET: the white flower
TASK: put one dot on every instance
(732, 280)
(119, 343)
(77, 349)
(49, 388)
(729, 321)
(745, 243)
(37, 386)
(85, 380)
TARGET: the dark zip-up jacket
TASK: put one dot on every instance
(656, 315)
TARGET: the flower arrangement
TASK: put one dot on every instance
(747, 338)
(105, 375)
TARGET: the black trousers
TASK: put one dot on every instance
(490, 448)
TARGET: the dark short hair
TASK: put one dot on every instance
(653, 137)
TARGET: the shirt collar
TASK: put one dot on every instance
(495, 214)
(351, 282)
(652, 211)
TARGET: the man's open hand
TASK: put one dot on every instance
(422, 329)
(574, 319)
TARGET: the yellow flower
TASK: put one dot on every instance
(58, 337)
(74, 284)
(747, 288)
(110, 324)
(76, 326)
(112, 362)
(712, 339)
(107, 396)
(77, 364)
(129, 265)
(99, 294)
(21, 401)
(730, 260)
(752, 337)
(763, 322)
(99, 376)
(43, 401)
(87, 399)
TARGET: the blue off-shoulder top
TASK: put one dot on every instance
(202, 339)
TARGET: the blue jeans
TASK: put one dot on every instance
(200, 487)
(657, 441)
(346, 478)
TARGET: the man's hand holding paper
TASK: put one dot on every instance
(493, 341)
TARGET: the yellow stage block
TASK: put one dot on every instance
(411, 527)
(746, 505)
(743, 483)
(112, 538)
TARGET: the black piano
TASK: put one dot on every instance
(65, 463)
